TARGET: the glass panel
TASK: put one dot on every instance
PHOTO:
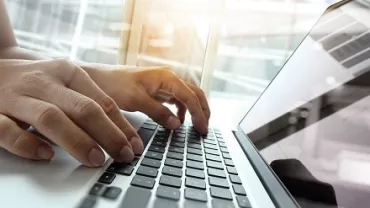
(175, 36)
(52, 27)
(257, 38)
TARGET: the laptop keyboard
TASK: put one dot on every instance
(183, 164)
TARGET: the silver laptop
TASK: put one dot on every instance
(305, 143)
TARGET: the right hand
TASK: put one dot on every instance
(62, 102)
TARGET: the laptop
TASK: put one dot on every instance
(304, 143)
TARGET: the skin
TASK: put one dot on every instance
(77, 106)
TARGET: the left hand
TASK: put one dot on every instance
(145, 90)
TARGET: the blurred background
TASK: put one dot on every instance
(230, 48)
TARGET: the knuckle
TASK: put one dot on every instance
(108, 104)
(86, 108)
(201, 92)
(62, 64)
(167, 73)
(48, 114)
(5, 127)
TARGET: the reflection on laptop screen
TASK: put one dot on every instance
(315, 115)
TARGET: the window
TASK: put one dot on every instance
(86, 30)
(231, 48)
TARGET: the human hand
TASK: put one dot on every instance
(147, 88)
(63, 103)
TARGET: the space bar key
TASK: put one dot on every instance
(136, 197)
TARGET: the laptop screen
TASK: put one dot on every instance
(312, 124)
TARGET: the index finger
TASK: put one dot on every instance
(202, 99)
(185, 95)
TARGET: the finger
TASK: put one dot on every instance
(184, 94)
(90, 117)
(181, 109)
(83, 84)
(50, 121)
(85, 112)
(22, 143)
(158, 112)
(202, 99)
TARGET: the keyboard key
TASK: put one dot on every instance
(226, 155)
(176, 149)
(134, 161)
(112, 192)
(120, 168)
(220, 140)
(211, 151)
(219, 203)
(170, 181)
(210, 146)
(151, 163)
(213, 158)
(157, 149)
(194, 173)
(235, 179)
(178, 139)
(142, 181)
(216, 173)
(173, 163)
(194, 151)
(148, 126)
(107, 178)
(224, 150)
(210, 142)
(213, 164)
(232, 170)
(161, 138)
(172, 171)
(181, 131)
(193, 204)
(97, 189)
(174, 155)
(177, 144)
(136, 197)
(229, 162)
(195, 194)
(221, 193)
(194, 141)
(239, 190)
(159, 143)
(88, 202)
(222, 144)
(163, 203)
(154, 155)
(194, 157)
(195, 183)
(168, 193)
(151, 122)
(218, 182)
(195, 146)
(209, 138)
(146, 171)
(196, 165)
(145, 135)
(243, 202)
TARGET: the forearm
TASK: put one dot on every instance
(16, 52)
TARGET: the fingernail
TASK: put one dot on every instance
(45, 153)
(127, 155)
(96, 157)
(173, 122)
(137, 145)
